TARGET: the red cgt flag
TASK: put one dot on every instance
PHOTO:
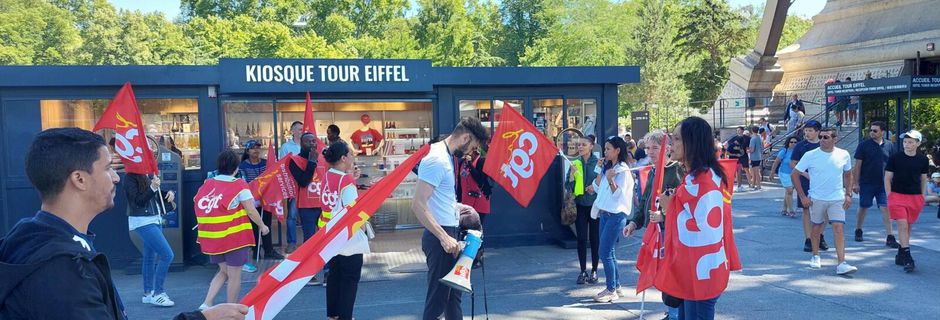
(651, 252)
(519, 155)
(310, 125)
(700, 248)
(274, 185)
(123, 116)
(280, 284)
(276, 207)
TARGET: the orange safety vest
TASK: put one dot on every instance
(221, 229)
(309, 196)
(332, 191)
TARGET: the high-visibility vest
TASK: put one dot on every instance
(332, 191)
(309, 196)
(221, 229)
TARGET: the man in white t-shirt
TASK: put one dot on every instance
(830, 178)
(436, 207)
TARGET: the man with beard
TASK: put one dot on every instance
(436, 207)
(52, 254)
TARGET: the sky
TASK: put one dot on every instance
(805, 8)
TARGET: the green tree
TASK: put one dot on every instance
(447, 35)
(524, 23)
(592, 33)
(397, 42)
(661, 89)
(711, 34)
(37, 32)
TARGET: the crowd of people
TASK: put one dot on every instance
(452, 193)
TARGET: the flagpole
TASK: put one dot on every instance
(642, 304)
(160, 192)
(258, 247)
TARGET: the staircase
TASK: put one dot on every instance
(848, 140)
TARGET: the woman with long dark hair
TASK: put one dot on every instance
(339, 190)
(704, 188)
(145, 219)
(783, 169)
(614, 185)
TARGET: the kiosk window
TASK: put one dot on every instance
(173, 122)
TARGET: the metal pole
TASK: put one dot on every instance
(910, 105)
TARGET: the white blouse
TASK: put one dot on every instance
(614, 201)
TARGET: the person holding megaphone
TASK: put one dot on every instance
(436, 207)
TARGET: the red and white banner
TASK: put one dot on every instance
(699, 243)
(651, 251)
(123, 116)
(282, 282)
(519, 154)
(313, 190)
(276, 207)
(274, 185)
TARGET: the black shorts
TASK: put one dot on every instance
(755, 164)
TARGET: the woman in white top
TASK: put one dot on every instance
(346, 267)
(614, 185)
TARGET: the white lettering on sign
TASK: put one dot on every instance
(209, 202)
(125, 149)
(706, 234)
(520, 165)
(293, 74)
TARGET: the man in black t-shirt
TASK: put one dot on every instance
(811, 133)
(736, 150)
(906, 184)
(869, 172)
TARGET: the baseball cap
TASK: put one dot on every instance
(252, 144)
(913, 134)
(935, 175)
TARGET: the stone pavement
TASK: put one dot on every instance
(538, 282)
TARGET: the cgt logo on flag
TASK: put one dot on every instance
(519, 156)
(123, 138)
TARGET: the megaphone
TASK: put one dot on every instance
(459, 277)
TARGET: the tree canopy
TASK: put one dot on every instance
(682, 46)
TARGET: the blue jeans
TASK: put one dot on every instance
(292, 221)
(308, 221)
(698, 310)
(155, 244)
(673, 313)
(611, 227)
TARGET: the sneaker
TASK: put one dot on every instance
(891, 242)
(203, 307)
(162, 300)
(898, 260)
(249, 267)
(606, 296)
(147, 298)
(815, 262)
(822, 243)
(909, 265)
(621, 292)
(582, 277)
(845, 268)
(807, 246)
(290, 248)
(273, 255)
(593, 278)
(858, 235)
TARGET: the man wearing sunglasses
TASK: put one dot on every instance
(869, 173)
(829, 171)
(811, 131)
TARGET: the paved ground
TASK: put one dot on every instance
(538, 282)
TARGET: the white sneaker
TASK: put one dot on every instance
(606, 296)
(815, 262)
(147, 298)
(620, 291)
(162, 300)
(845, 268)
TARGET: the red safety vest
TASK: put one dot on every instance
(221, 229)
(478, 201)
(332, 191)
(309, 196)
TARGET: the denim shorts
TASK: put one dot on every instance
(868, 191)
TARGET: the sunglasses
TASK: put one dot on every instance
(825, 137)
(792, 142)
(874, 130)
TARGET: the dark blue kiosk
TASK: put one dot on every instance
(206, 109)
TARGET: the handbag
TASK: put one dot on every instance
(569, 211)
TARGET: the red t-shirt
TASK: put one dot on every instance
(366, 140)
